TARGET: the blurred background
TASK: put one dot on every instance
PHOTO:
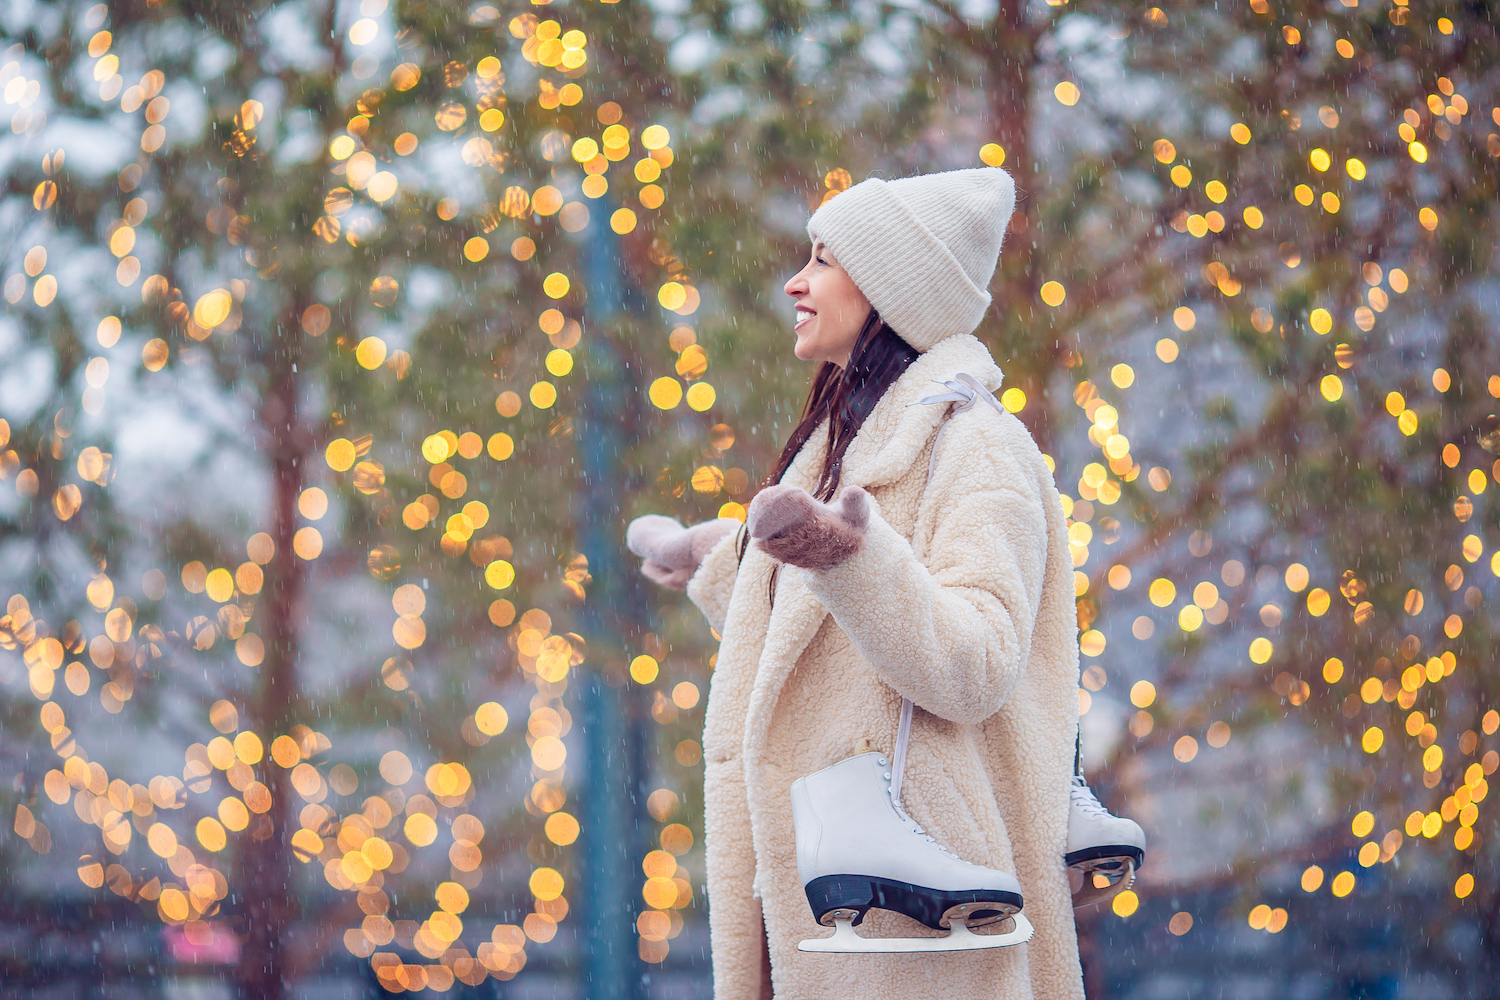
(340, 340)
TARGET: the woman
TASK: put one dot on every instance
(939, 573)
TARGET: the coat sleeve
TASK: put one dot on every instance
(713, 581)
(953, 634)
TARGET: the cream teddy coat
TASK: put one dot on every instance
(961, 599)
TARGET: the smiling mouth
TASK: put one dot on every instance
(803, 315)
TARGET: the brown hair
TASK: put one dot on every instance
(845, 397)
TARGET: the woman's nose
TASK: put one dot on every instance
(796, 285)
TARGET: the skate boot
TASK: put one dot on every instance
(1104, 851)
(857, 849)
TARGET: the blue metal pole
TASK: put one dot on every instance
(611, 837)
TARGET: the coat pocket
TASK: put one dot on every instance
(719, 747)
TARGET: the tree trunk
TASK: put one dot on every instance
(267, 869)
(1009, 57)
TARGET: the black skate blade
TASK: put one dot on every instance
(926, 906)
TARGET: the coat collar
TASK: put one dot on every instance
(891, 439)
(897, 431)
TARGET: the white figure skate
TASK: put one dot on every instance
(857, 849)
(1104, 851)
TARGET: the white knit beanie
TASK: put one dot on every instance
(922, 249)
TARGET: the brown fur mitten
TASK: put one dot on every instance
(789, 525)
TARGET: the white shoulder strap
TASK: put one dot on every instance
(964, 391)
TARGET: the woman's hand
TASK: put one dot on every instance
(671, 553)
(789, 525)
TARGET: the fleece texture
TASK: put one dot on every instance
(923, 249)
(960, 597)
(791, 527)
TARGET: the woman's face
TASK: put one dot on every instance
(830, 309)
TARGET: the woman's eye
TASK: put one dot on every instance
(820, 260)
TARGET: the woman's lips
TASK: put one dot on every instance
(803, 316)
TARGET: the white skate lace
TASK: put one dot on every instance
(917, 829)
(1083, 798)
(893, 790)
